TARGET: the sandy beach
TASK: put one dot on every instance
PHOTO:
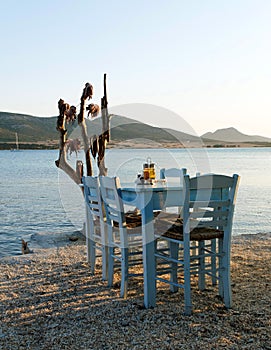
(49, 300)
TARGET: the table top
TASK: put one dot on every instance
(161, 196)
(149, 188)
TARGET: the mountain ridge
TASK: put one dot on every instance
(34, 129)
(43, 129)
(231, 134)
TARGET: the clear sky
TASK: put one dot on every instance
(209, 61)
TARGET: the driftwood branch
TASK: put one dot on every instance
(61, 162)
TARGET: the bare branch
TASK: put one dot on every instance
(87, 93)
(105, 137)
(62, 163)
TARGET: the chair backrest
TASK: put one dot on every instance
(209, 201)
(95, 228)
(111, 195)
(114, 209)
(174, 176)
(92, 195)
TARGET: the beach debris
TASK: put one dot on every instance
(25, 248)
(73, 238)
(76, 235)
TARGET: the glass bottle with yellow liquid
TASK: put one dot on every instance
(149, 170)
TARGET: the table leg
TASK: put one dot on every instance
(148, 250)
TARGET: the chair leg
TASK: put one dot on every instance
(187, 282)
(105, 249)
(226, 280)
(220, 279)
(174, 249)
(213, 262)
(87, 232)
(201, 281)
(227, 289)
(110, 266)
(88, 248)
(92, 251)
(105, 263)
(124, 273)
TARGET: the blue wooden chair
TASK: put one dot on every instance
(96, 237)
(208, 207)
(125, 244)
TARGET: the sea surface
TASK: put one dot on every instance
(38, 202)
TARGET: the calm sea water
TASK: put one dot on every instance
(38, 202)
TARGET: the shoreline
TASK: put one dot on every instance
(49, 300)
(46, 244)
(133, 144)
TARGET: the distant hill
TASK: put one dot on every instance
(233, 135)
(29, 128)
(36, 129)
(36, 132)
(123, 128)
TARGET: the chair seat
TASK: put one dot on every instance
(197, 234)
(133, 219)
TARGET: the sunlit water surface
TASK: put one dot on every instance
(38, 200)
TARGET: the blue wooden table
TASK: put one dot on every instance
(148, 198)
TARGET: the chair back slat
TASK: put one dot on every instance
(214, 181)
(209, 224)
(111, 194)
(209, 204)
(93, 205)
(92, 195)
(205, 213)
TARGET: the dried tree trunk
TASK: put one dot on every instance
(87, 93)
(105, 136)
(67, 114)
